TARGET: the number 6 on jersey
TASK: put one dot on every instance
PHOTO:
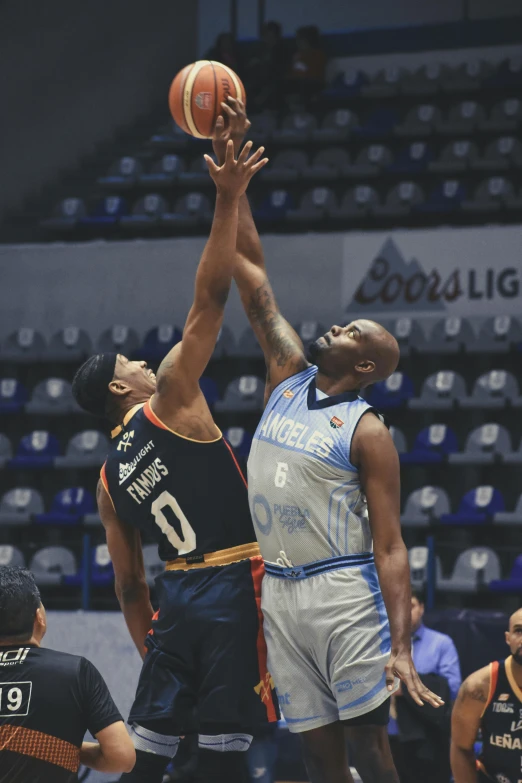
(281, 474)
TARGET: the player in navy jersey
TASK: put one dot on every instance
(324, 493)
(490, 699)
(171, 474)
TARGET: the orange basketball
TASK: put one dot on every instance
(197, 92)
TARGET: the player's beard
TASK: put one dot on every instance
(517, 656)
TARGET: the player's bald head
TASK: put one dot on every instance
(515, 619)
(382, 349)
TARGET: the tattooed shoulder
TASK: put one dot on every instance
(475, 688)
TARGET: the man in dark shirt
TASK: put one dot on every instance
(49, 699)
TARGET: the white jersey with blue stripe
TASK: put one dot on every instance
(305, 495)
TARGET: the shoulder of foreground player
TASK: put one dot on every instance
(371, 437)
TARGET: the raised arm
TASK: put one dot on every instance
(179, 373)
(465, 723)
(374, 453)
(282, 347)
(126, 553)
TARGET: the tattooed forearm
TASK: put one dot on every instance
(264, 315)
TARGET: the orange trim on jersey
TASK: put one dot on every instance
(265, 687)
(152, 417)
(104, 481)
(128, 416)
(222, 557)
(493, 680)
(154, 617)
(236, 463)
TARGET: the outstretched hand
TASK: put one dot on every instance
(233, 176)
(233, 124)
(401, 665)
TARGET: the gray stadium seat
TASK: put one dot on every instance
(309, 331)
(399, 441)
(11, 556)
(119, 339)
(357, 202)
(425, 80)
(51, 563)
(189, 211)
(441, 391)
(24, 346)
(6, 450)
(401, 200)
(197, 174)
(491, 195)
(69, 345)
(66, 215)
(18, 506)
(506, 116)
(407, 332)
(419, 121)
(449, 335)
(147, 212)
(328, 164)
(263, 126)
(484, 446)
(296, 127)
(369, 162)
(500, 155)
(463, 118)
(164, 172)
(497, 335)
(52, 397)
(87, 449)
(474, 568)
(225, 344)
(456, 156)
(243, 395)
(123, 173)
(336, 126)
(286, 166)
(385, 83)
(418, 560)
(316, 205)
(466, 77)
(510, 517)
(514, 457)
(153, 565)
(493, 390)
(424, 506)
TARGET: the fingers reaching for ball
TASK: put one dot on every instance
(233, 176)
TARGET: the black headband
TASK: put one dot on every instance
(91, 382)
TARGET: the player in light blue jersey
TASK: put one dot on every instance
(324, 491)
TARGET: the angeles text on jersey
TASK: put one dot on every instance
(283, 430)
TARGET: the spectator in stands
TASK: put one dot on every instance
(50, 699)
(225, 51)
(420, 738)
(307, 71)
(266, 68)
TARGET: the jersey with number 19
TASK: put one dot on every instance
(206, 654)
(325, 622)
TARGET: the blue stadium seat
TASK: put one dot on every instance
(69, 345)
(413, 159)
(158, 342)
(432, 445)
(24, 346)
(164, 172)
(244, 395)
(13, 395)
(477, 506)
(107, 212)
(20, 505)
(118, 339)
(514, 582)
(275, 206)
(445, 197)
(52, 397)
(240, 440)
(36, 450)
(68, 507)
(346, 84)
(381, 122)
(122, 174)
(66, 215)
(210, 390)
(391, 393)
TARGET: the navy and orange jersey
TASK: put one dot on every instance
(501, 725)
(190, 496)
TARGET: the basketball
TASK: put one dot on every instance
(196, 95)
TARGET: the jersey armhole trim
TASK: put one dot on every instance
(154, 419)
(493, 680)
(291, 378)
(236, 463)
(104, 481)
(370, 409)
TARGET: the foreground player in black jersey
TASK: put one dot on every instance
(172, 475)
(491, 700)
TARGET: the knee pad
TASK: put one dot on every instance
(225, 742)
(152, 742)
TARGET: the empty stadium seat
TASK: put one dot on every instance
(510, 517)
(102, 572)
(225, 344)
(391, 393)
(336, 126)
(399, 440)
(315, 205)
(107, 212)
(513, 584)
(87, 449)
(50, 564)
(384, 84)
(189, 211)
(68, 507)
(419, 121)
(413, 159)
(263, 126)
(6, 450)
(36, 450)
(66, 215)
(440, 391)
(497, 335)
(357, 202)
(380, 122)
(328, 164)
(296, 127)
(418, 560)
(445, 197)
(400, 200)
(210, 390)
(346, 84)
(163, 172)
(20, 505)
(466, 77)
(474, 568)
(248, 345)
(197, 174)
(13, 395)
(484, 445)
(285, 167)
(154, 566)
(433, 444)
(500, 155)
(11, 556)
(24, 346)
(244, 394)
(513, 457)
(425, 80)
(494, 389)
(240, 440)
(147, 212)
(69, 345)
(171, 136)
(122, 174)
(370, 162)
(407, 332)
(52, 397)
(463, 118)
(275, 206)
(491, 195)
(505, 116)
(425, 506)
(477, 506)
(449, 335)
(159, 341)
(118, 339)
(457, 156)
(508, 73)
